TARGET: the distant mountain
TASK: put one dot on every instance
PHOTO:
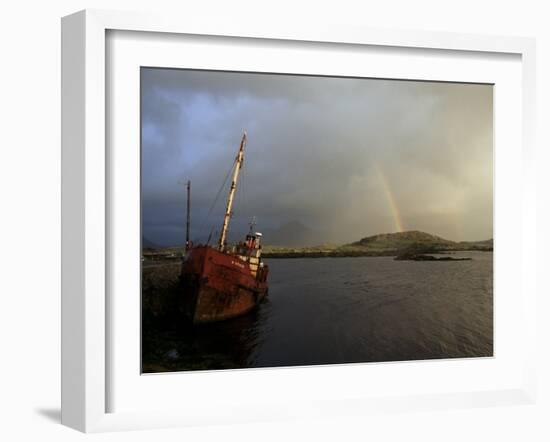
(291, 234)
(146, 244)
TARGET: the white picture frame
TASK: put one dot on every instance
(86, 201)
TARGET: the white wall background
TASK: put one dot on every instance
(30, 216)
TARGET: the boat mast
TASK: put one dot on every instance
(188, 215)
(227, 216)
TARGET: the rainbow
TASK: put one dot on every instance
(394, 208)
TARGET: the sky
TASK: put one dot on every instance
(328, 160)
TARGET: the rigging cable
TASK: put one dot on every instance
(217, 197)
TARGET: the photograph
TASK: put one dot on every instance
(302, 220)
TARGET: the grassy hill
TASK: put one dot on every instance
(403, 240)
(385, 244)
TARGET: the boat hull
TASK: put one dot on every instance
(217, 286)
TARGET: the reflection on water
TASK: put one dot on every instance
(341, 310)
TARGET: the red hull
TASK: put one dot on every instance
(218, 286)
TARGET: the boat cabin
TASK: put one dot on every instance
(250, 251)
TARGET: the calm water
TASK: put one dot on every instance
(341, 310)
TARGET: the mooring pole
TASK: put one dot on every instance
(188, 215)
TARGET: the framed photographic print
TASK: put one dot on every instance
(359, 171)
(267, 223)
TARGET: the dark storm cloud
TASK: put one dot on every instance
(344, 157)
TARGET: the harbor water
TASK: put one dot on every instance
(344, 310)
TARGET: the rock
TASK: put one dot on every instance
(410, 256)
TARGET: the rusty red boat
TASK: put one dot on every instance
(222, 281)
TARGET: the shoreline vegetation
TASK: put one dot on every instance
(411, 245)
